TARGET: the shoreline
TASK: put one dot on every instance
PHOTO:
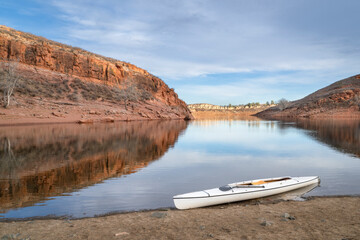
(75, 120)
(266, 200)
(48, 111)
(8, 117)
(97, 121)
(324, 217)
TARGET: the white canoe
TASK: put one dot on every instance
(242, 191)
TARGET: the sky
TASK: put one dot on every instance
(209, 51)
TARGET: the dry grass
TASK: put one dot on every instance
(77, 90)
(45, 89)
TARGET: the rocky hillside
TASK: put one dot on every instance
(51, 71)
(340, 99)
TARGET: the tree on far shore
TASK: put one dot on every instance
(283, 103)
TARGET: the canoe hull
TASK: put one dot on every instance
(215, 196)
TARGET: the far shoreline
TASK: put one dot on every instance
(16, 121)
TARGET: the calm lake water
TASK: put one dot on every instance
(86, 170)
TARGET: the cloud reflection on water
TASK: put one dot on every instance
(206, 155)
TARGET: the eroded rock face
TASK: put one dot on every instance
(38, 52)
(340, 99)
(61, 58)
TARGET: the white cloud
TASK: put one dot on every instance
(187, 38)
(230, 35)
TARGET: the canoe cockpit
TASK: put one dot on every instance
(253, 184)
(267, 181)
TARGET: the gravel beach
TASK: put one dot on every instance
(317, 218)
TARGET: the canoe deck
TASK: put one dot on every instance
(240, 191)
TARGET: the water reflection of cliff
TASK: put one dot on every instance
(42, 161)
(341, 134)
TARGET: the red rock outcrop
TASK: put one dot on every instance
(39, 54)
(340, 100)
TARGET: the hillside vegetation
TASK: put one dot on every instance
(340, 99)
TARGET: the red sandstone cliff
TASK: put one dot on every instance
(340, 99)
(51, 70)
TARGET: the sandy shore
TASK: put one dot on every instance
(317, 218)
(47, 111)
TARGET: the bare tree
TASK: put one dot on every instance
(283, 103)
(8, 80)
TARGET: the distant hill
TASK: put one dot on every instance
(210, 111)
(53, 72)
(340, 99)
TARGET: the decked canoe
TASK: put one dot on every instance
(242, 191)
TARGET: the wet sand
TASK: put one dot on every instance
(316, 218)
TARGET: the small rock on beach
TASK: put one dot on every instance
(266, 223)
(287, 216)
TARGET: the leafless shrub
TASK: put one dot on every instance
(92, 91)
(28, 87)
(145, 83)
(145, 95)
(8, 80)
(30, 101)
(76, 84)
(75, 96)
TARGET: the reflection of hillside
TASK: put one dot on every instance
(343, 135)
(41, 161)
(229, 116)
